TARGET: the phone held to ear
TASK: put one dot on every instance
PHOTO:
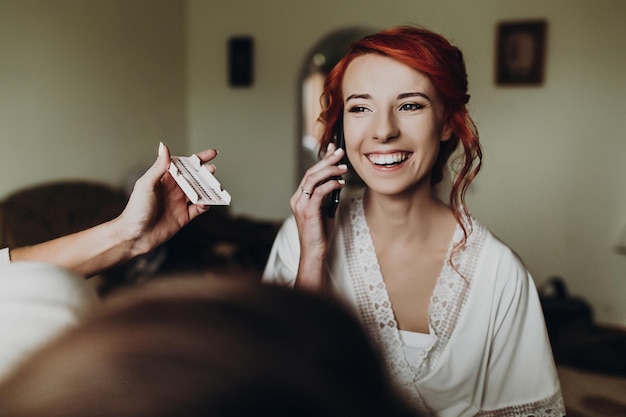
(334, 196)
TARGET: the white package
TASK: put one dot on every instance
(200, 186)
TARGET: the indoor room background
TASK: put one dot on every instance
(88, 88)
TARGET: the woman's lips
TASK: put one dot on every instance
(387, 160)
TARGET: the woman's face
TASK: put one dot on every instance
(393, 123)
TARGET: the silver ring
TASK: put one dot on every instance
(305, 191)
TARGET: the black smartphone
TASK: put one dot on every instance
(334, 196)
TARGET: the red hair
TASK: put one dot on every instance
(443, 64)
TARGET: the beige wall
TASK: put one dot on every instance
(554, 180)
(89, 87)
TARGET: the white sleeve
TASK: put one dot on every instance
(498, 361)
(282, 264)
(522, 375)
(37, 302)
(5, 257)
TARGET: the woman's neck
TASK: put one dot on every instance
(406, 216)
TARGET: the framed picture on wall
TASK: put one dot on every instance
(520, 52)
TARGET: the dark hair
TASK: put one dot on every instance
(443, 64)
(205, 348)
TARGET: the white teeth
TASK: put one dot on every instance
(387, 159)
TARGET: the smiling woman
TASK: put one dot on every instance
(453, 308)
(384, 99)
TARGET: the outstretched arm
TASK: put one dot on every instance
(156, 210)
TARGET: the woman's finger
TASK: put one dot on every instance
(330, 159)
(313, 181)
(206, 155)
(314, 197)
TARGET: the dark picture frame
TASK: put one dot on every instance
(520, 52)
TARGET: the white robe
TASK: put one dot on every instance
(488, 354)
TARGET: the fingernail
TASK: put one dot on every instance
(341, 181)
(338, 151)
(161, 148)
(342, 166)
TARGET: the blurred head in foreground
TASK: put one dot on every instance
(197, 347)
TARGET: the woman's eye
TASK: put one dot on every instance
(410, 106)
(358, 109)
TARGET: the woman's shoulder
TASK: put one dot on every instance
(492, 242)
(497, 255)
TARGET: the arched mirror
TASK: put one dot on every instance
(318, 62)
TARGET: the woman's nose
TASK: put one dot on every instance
(386, 127)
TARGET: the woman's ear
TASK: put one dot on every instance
(446, 132)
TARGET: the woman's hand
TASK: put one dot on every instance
(313, 229)
(158, 207)
(156, 210)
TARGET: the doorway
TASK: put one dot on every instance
(317, 64)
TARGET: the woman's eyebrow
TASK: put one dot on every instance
(413, 94)
(355, 96)
(400, 96)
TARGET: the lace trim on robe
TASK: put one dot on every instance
(550, 407)
(446, 303)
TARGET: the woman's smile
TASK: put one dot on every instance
(388, 161)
